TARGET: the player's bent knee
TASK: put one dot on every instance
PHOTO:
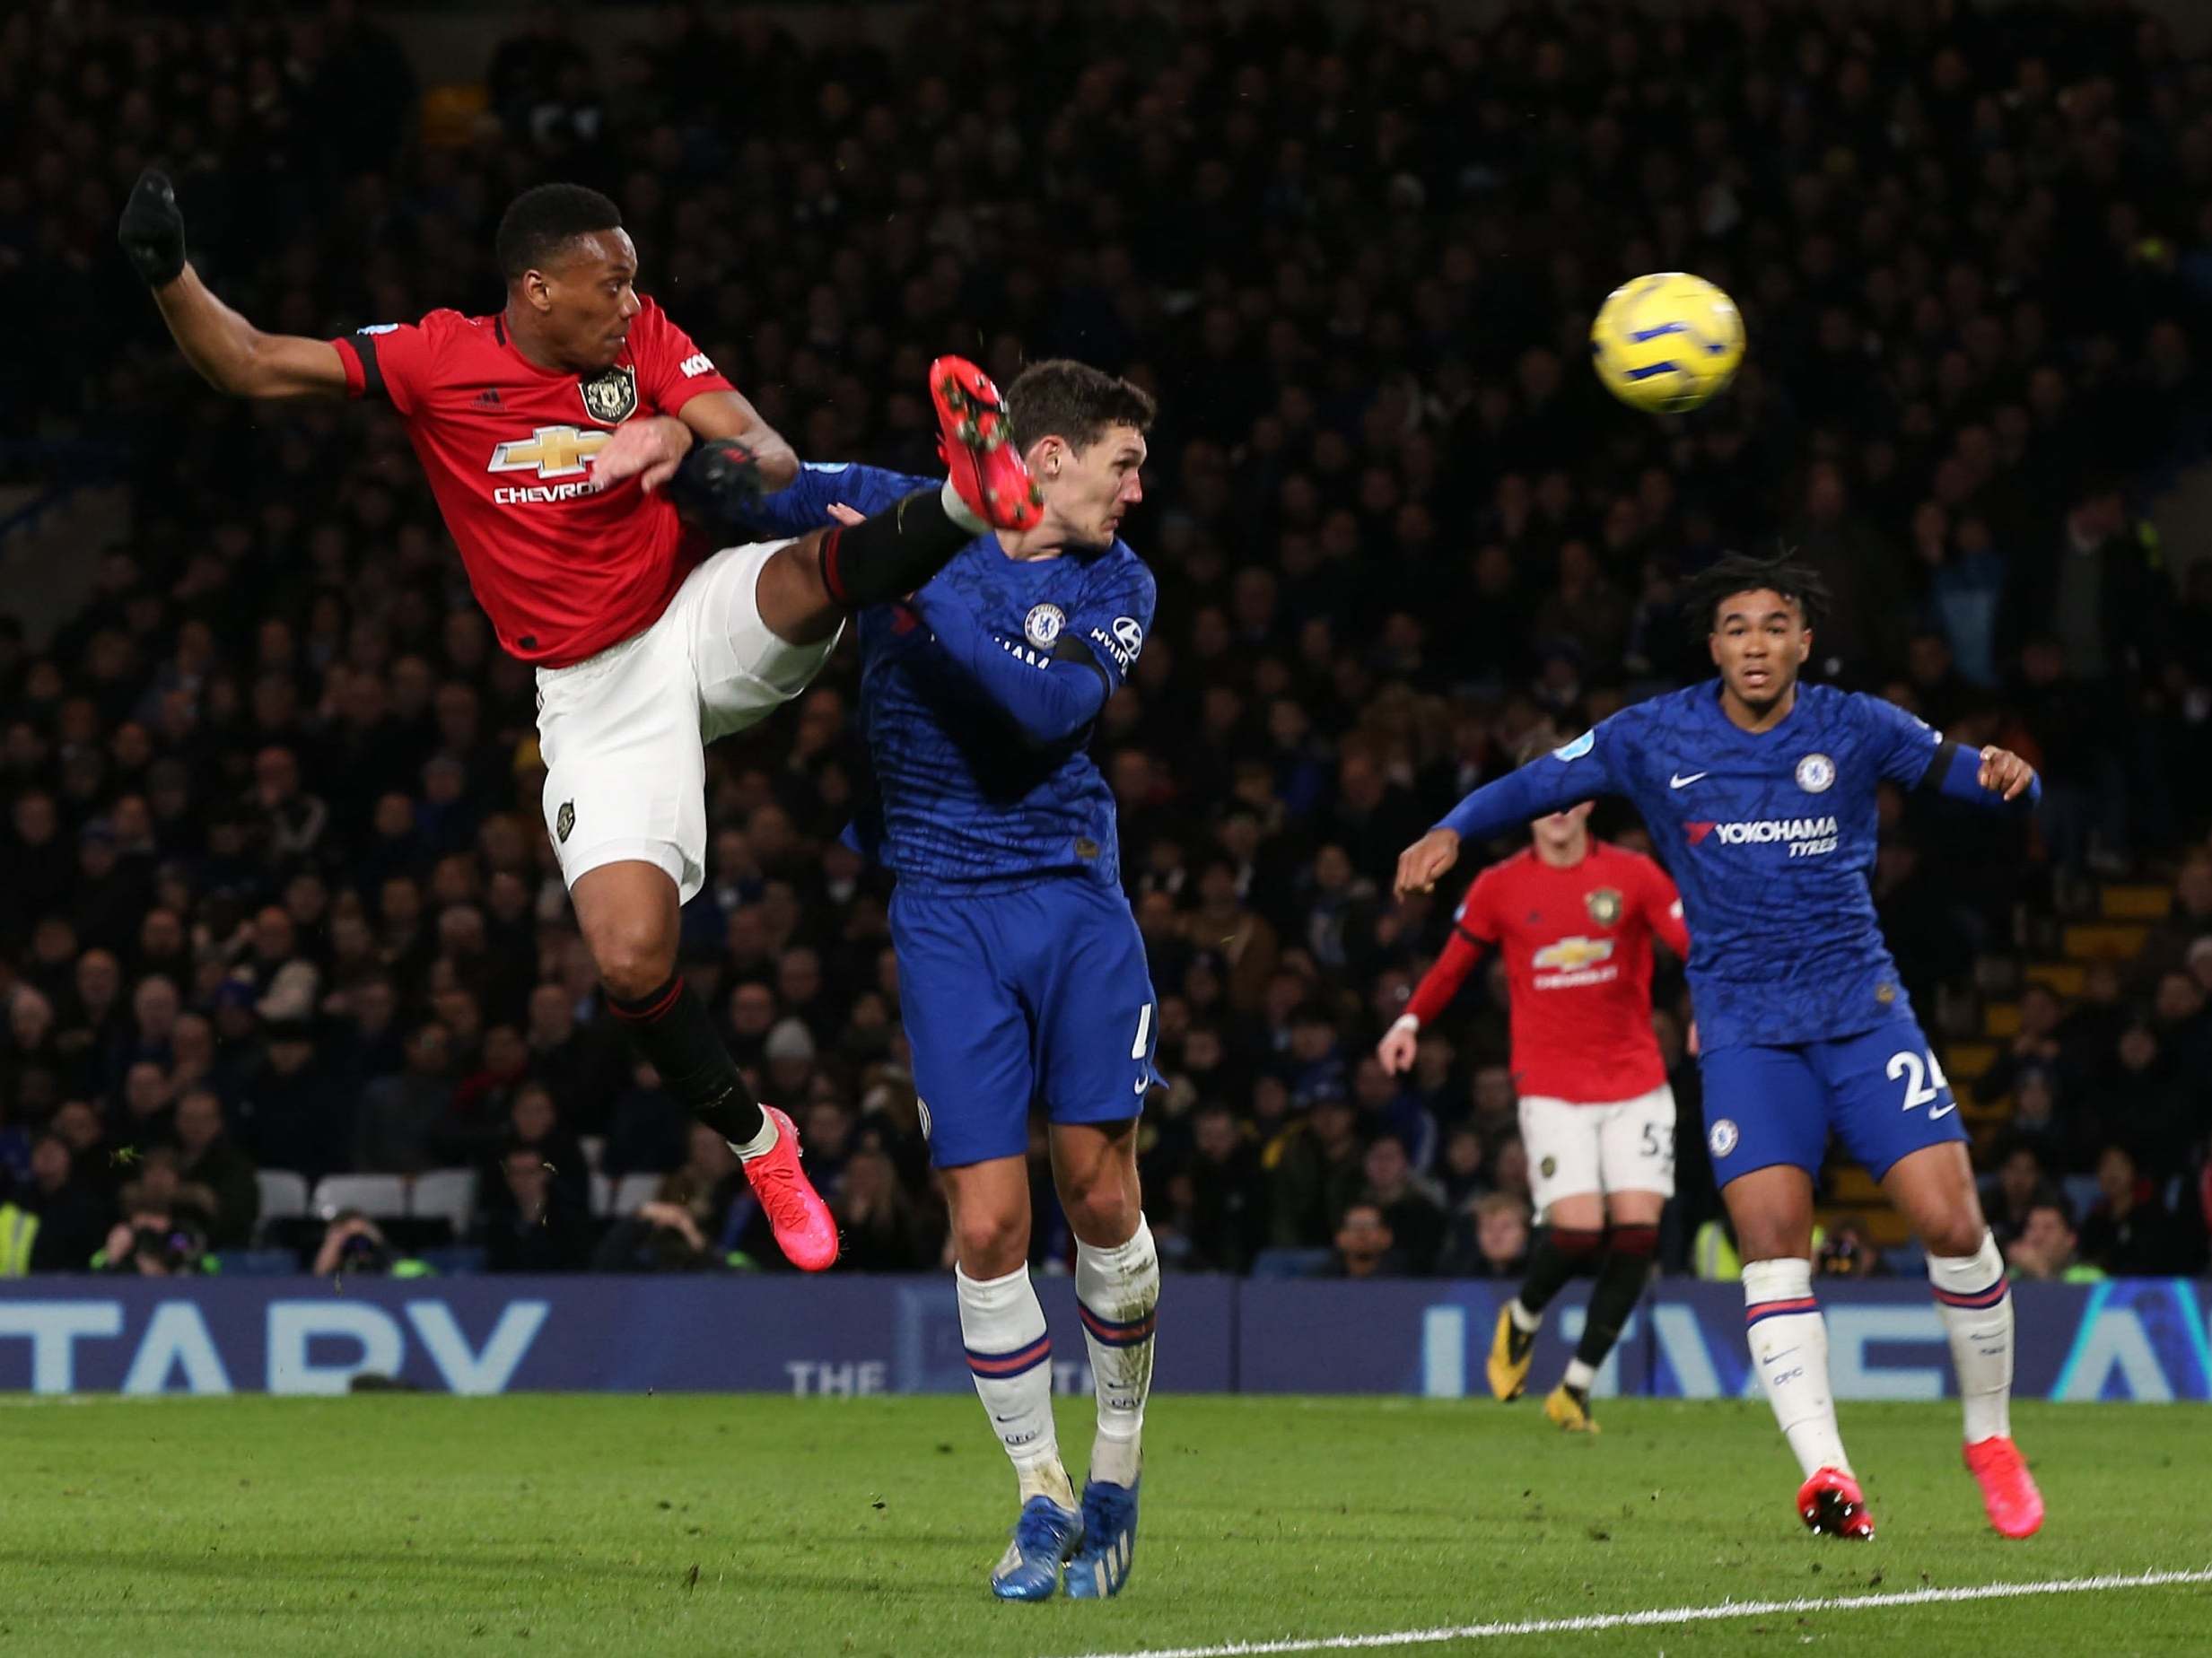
(991, 1244)
(1104, 1217)
(1955, 1238)
(633, 960)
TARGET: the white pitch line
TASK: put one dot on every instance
(1671, 1614)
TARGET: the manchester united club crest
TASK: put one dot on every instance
(565, 820)
(1603, 903)
(610, 395)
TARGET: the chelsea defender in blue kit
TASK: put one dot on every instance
(1022, 976)
(1760, 793)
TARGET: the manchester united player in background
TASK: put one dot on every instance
(548, 429)
(1574, 918)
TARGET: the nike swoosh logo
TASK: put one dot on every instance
(1680, 781)
(1946, 1112)
(1141, 1085)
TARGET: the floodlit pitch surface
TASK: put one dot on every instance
(777, 1526)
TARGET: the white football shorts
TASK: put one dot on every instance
(623, 734)
(1624, 1145)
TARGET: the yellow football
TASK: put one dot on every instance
(1667, 342)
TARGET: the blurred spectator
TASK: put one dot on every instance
(1849, 1251)
(71, 1219)
(1415, 1218)
(2048, 1248)
(1489, 1238)
(211, 1164)
(536, 1229)
(1364, 1245)
(354, 1245)
(2128, 1233)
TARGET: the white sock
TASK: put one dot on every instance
(760, 1145)
(1579, 1375)
(1528, 1323)
(1002, 1327)
(1976, 1305)
(957, 509)
(1118, 1293)
(1788, 1342)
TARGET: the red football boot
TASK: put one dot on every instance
(976, 440)
(2015, 1507)
(1831, 1504)
(804, 1229)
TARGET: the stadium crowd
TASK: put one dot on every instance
(278, 894)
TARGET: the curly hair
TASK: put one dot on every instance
(1740, 572)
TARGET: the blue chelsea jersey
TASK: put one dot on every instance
(1770, 837)
(966, 797)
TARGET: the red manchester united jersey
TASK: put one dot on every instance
(563, 572)
(1578, 950)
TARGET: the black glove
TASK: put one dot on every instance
(152, 229)
(715, 483)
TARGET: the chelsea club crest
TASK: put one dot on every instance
(1043, 625)
(1815, 772)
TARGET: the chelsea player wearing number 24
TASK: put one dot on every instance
(1022, 976)
(1761, 793)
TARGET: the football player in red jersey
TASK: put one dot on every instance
(1574, 918)
(548, 430)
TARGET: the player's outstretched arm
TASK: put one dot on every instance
(1438, 986)
(1990, 777)
(230, 352)
(1566, 776)
(1047, 702)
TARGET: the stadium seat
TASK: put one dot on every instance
(634, 1189)
(456, 1262)
(283, 1196)
(1904, 1261)
(1290, 1263)
(445, 1195)
(380, 1196)
(258, 1262)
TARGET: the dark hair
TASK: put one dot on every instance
(542, 221)
(1063, 399)
(1739, 572)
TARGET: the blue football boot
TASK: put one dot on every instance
(1046, 1535)
(1101, 1565)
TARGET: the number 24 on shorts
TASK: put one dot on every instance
(1924, 1081)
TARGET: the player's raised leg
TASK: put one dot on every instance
(627, 912)
(810, 585)
(1935, 1188)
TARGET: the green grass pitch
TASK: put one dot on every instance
(776, 1526)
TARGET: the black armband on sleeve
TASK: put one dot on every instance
(372, 370)
(1070, 649)
(1939, 765)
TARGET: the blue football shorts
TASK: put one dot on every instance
(1882, 1090)
(1040, 996)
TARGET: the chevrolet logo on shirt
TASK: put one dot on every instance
(1570, 954)
(550, 452)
